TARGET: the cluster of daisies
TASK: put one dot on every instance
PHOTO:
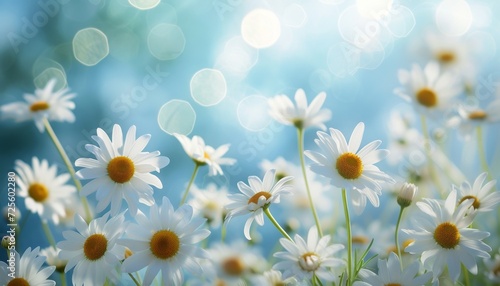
(438, 238)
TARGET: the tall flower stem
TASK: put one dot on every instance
(396, 238)
(63, 279)
(193, 176)
(350, 278)
(466, 276)
(482, 153)
(300, 135)
(428, 150)
(69, 166)
(48, 234)
(276, 224)
(133, 279)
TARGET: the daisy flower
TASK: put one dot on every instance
(53, 259)
(471, 117)
(165, 241)
(209, 203)
(493, 268)
(273, 278)
(403, 138)
(45, 103)
(28, 270)
(255, 197)
(390, 273)
(304, 259)
(45, 193)
(430, 91)
(121, 170)
(203, 154)
(443, 237)
(350, 168)
(302, 116)
(92, 250)
(483, 199)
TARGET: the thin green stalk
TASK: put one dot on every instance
(482, 153)
(466, 275)
(428, 148)
(350, 279)
(186, 192)
(69, 166)
(63, 278)
(396, 238)
(133, 279)
(300, 135)
(276, 224)
(48, 234)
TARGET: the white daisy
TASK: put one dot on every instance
(92, 250)
(484, 198)
(53, 259)
(121, 170)
(203, 154)
(45, 103)
(302, 116)
(303, 259)
(165, 241)
(493, 268)
(210, 203)
(443, 237)
(28, 271)
(349, 168)
(45, 193)
(273, 278)
(390, 273)
(470, 117)
(430, 91)
(255, 197)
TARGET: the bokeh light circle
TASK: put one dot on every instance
(252, 112)
(208, 87)
(144, 4)
(166, 41)
(261, 28)
(44, 77)
(90, 46)
(294, 16)
(453, 17)
(177, 116)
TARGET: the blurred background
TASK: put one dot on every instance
(206, 68)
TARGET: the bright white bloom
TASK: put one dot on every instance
(493, 268)
(45, 103)
(470, 117)
(210, 203)
(350, 168)
(92, 250)
(430, 91)
(203, 154)
(45, 193)
(121, 170)
(303, 259)
(53, 259)
(165, 241)
(389, 273)
(484, 198)
(452, 53)
(443, 237)
(273, 278)
(283, 110)
(28, 271)
(255, 197)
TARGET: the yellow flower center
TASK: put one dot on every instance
(476, 204)
(359, 239)
(38, 106)
(233, 266)
(446, 57)
(427, 97)
(38, 192)
(478, 115)
(447, 235)
(206, 155)
(349, 166)
(95, 246)
(309, 261)
(121, 169)
(406, 243)
(255, 198)
(18, 282)
(164, 244)
(496, 270)
(127, 253)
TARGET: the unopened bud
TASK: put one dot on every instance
(406, 194)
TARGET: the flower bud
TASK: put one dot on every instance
(5, 242)
(406, 194)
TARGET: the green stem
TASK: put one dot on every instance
(396, 238)
(428, 147)
(186, 192)
(300, 135)
(466, 276)
(482, 153)
(48, 234)
(63, 278)
(276, 224)
(223, 233)
(350, 279)
(133, 279)
(69, 166)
